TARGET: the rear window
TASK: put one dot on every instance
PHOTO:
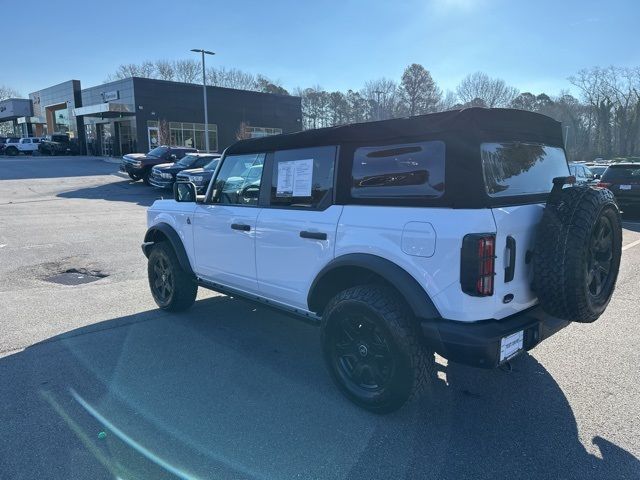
(627, 172)
(402, 170)
(517, 168)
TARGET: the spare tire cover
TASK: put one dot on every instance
(577, 253)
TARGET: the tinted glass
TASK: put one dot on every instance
(597, 170)
(403, 170)
(158, 151)
(238, 181)
(187, 161)
(211, 165)
(516, 168)
(627, 172)
(303, 177)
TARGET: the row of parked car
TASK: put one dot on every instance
(623, 179)
(164, 165)
(56, 144)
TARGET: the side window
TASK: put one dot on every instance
(404, 170)
(26, 140)
(238, 181)
(303, 177)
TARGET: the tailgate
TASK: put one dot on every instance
(515, 236)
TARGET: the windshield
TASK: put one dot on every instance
(211, 166)
(158, 152)
(515, 168)
(187, 161)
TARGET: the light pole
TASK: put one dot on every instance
(204, 91)
(378, 93)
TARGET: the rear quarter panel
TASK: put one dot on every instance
(379, 231)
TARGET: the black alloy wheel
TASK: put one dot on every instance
(373, 350)
(600, 257)
(162, 283)
(361, 353)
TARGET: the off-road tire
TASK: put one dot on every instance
(133, 176)
(12, 151)
(564, 253)
(414, 365)
(183, 285)
(146, 176)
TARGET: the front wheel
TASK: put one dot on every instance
(173, 288)
(371, 346)
(133, 176)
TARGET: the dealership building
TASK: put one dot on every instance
(137, 114)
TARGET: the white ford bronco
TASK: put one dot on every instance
(457, 233)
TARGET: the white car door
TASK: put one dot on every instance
(295, 235)
(224, 230)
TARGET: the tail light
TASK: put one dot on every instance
(604, 184)
(477, 264)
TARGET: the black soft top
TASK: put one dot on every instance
(465, 126)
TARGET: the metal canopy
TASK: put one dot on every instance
(104, 110)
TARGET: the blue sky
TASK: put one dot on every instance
(533, 45)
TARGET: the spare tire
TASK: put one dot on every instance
(577, 253)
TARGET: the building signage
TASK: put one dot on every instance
(109, 96)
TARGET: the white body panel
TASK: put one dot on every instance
(175, 214)
(379, 231)
(286, 263)
(222, 254)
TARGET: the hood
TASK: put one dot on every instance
(193, 171)
(135, 156)
(164, 166)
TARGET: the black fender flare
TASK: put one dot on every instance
(416, 297)
(172, 236)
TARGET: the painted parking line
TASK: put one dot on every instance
(629, 245)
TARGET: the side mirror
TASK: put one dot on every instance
(597, 176)
(184, 192)
(172, 157)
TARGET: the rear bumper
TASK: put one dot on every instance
(478, 343)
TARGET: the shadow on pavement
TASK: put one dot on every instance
(40, 167)
(124, 191)
(231, 390)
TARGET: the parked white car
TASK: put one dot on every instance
(450, 232)
(26, 145)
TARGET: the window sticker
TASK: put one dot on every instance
(295, 178)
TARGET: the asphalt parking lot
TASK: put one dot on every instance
(96, 382)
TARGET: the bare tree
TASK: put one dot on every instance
(492, 92)
(449, 101)
(8, 92)
(164, 132)
(266, 85)
(188, 71)
(165, 70)
(383, 99)
(231, 78)
(418, 92)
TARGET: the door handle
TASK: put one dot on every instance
(510, 270)
(313, 235)
(241, 226)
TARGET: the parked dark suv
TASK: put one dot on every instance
(623, 179)
(200, 177)
(139, 165)
(164, 175)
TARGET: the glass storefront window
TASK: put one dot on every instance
(188, 134)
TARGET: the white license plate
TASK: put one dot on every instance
(510, 345)
(625, 187)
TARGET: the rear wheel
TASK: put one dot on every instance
(172, 287)
(12, 151)
(372, 348)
